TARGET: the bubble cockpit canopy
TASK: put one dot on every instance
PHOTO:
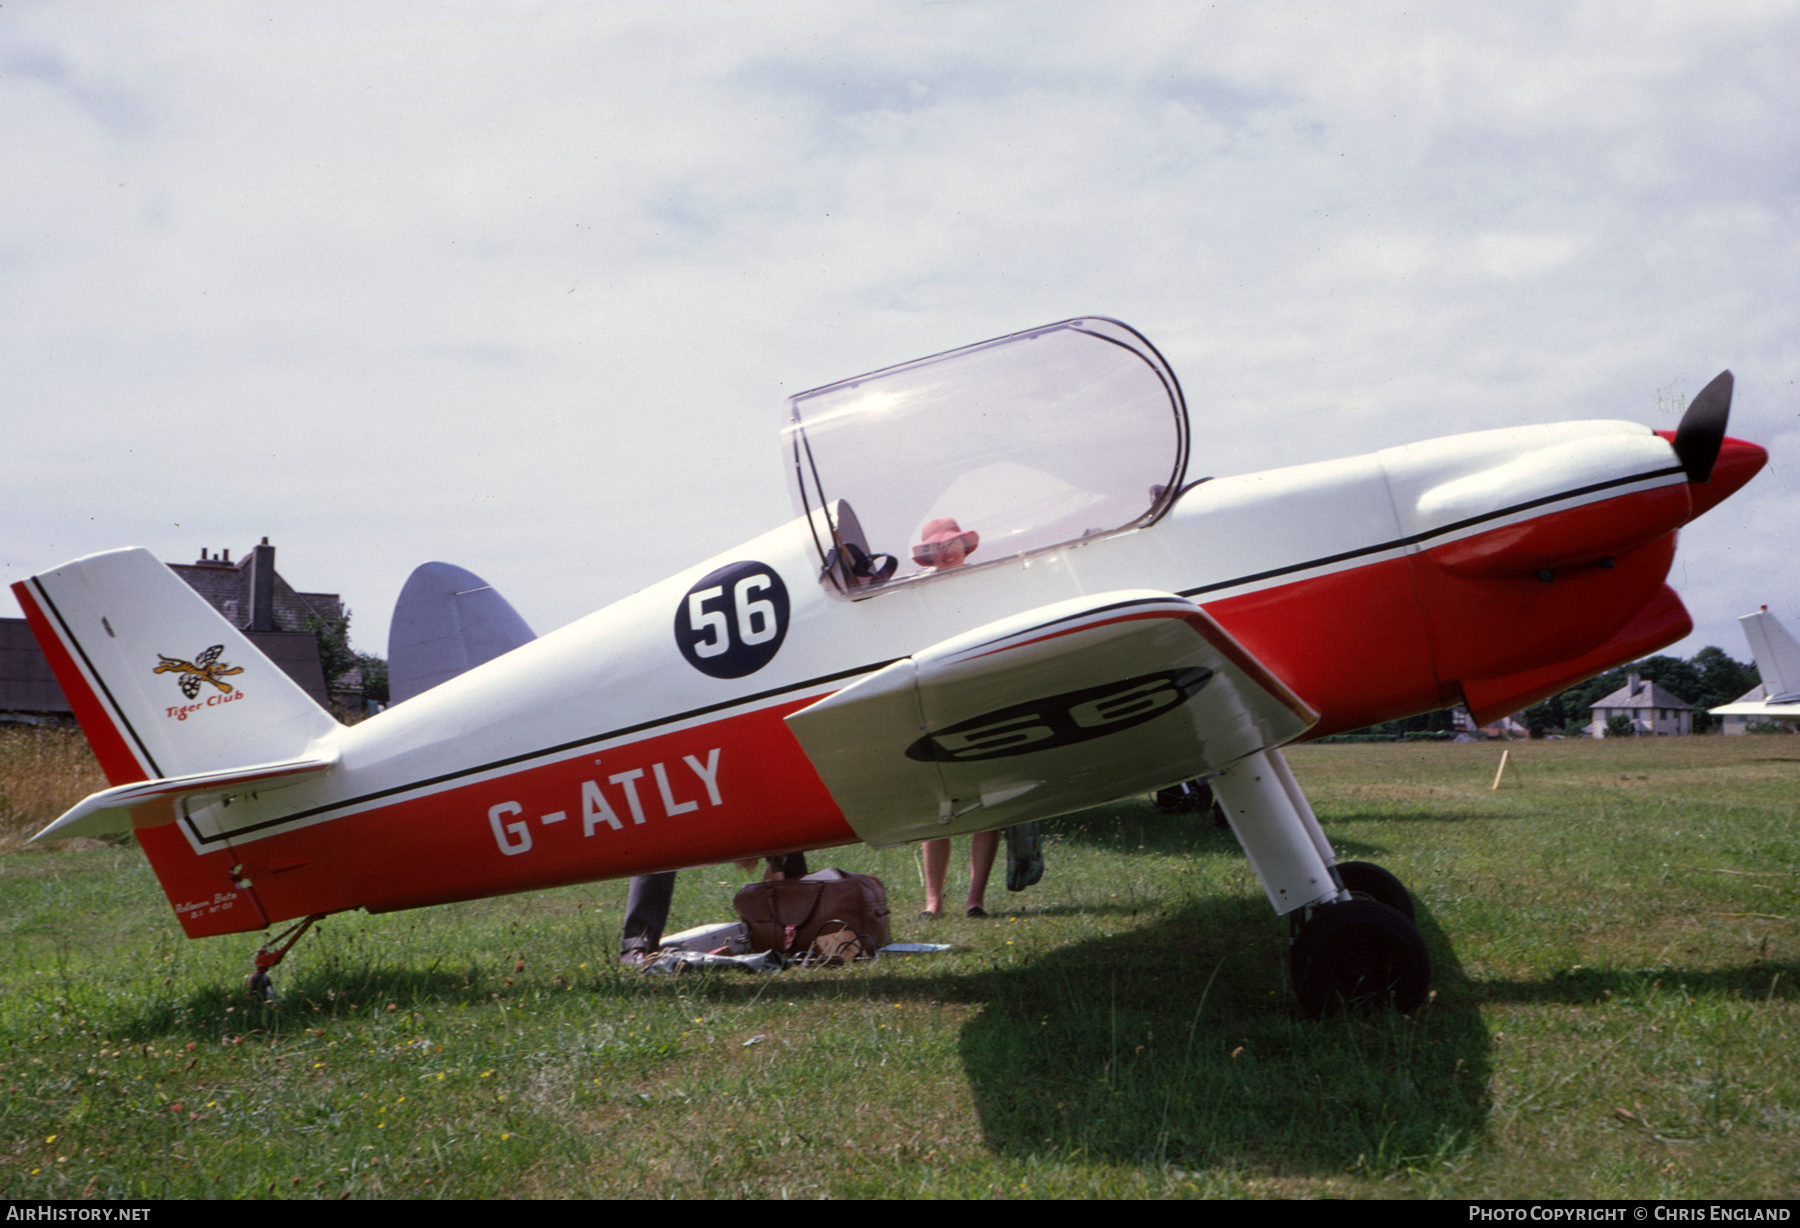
(986, 453)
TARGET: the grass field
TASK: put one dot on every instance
(1616, 935)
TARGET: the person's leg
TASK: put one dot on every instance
(937, 863)
(983, 845)
(786, 866)
(646, 912)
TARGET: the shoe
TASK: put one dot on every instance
(635, 959)
(976, 910)
(928, 915)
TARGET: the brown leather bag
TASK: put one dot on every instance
(831, 915)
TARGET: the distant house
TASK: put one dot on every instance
(1652, 711)
(251, 595)
(248, 594)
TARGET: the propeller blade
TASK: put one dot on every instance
(1702, 430)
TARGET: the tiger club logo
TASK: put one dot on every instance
(204, 668)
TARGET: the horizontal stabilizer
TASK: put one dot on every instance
(1765, 709)
(1066, 706)
(151, 803)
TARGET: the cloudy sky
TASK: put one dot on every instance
(522, 287)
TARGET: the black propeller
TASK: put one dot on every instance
(1702, 429)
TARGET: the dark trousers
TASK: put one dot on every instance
(647, 911)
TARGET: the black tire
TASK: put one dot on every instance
(1356, 955)
(1366, 878)
(1190, 797)
(1177, 799)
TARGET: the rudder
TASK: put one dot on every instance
(162, 685)
(1777, 655)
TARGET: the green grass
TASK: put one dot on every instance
(1616, 934)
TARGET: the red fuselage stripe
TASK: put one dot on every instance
(121, 765)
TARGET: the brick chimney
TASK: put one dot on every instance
(262, 587)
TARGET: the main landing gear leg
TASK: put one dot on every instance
(272, 953)
(1355, 942)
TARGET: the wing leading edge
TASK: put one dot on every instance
(1063, 707)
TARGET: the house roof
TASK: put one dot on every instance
(227, 588)
(1640, 693)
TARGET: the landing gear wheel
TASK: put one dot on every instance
(1366, 878)
(1193, 797)
(1358, 954)
(1185, 798)
(272, 953)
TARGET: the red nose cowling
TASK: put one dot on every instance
(1517, 642)
(1739, 461)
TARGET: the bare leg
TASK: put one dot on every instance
(982, 847)
(937, 863)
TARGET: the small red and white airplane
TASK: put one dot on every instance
(1002, 599)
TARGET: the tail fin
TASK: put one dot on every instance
(169, 692)
(1777, 656)
(161, 684)
(448, 620)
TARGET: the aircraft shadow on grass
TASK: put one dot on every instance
(1180, 1043)
(1135, 826)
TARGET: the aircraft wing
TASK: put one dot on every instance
(1066, 706)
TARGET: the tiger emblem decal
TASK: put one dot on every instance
(204, 668)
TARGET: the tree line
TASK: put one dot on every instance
(1707, 679)
(337, 658)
